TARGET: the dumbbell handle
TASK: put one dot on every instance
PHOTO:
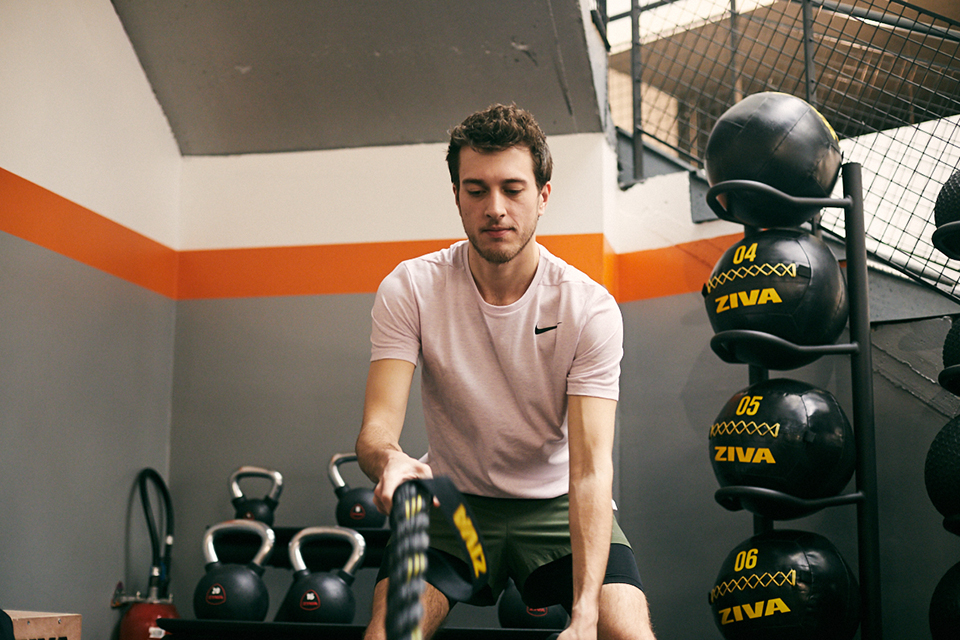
(247, 471)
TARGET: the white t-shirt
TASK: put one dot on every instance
(495, 379)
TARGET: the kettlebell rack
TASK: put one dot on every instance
(240, 630)
(742, 346)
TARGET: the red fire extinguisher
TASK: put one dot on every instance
(140, 620)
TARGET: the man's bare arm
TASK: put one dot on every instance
(591, 423)
(378, 446)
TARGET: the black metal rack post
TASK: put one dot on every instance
(868, 519)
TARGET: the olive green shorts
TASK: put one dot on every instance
(519, 536)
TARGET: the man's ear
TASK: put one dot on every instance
(456, 195)
(544, 196)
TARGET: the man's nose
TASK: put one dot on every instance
(496, 205)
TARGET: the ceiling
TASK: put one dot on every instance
(261, 76)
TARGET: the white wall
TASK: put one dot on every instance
(378, 194)
(78, 117)
(656, 214)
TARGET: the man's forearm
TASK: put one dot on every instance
(373, 449)
(591, 522)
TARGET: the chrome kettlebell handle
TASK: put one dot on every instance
(357, 542)
(333, 469)
(266, 534)
(248, 471)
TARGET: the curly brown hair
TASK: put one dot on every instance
(497, 128)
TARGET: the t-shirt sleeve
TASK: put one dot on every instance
(396, 319)
(596, 366)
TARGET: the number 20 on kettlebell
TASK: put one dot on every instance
(234, 591)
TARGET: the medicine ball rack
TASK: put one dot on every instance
(740, 347)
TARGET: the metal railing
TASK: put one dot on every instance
(885, 74)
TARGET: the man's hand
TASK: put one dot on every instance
(399, 468)
(579, 631)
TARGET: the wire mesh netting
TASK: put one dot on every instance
(885, 75)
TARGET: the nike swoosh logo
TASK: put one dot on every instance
(538, 330)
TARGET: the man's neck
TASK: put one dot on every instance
(505, 283)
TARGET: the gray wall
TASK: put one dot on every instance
(85, 392)
(103, 378)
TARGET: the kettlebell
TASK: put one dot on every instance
(322, 597)
(513, 613)
(356, 508)
(234, 591)
(256, 508)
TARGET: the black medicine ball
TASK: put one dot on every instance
(947, 207)
(945, 606)
(784, 282)
(941, 472)
(784, 435)
(779, 140)
(788, 585)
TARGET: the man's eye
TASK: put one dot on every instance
(474, 193)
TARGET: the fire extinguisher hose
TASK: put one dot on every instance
(159, 585)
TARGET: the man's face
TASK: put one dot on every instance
(499, 201)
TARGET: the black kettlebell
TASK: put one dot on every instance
(356, 508)
(322, 597)
(234, 591)
(513, 612)
(256, 508)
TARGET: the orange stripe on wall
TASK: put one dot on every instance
(682, 268)
(286, 271)
(331, 269)
(584, 251)
(37, 215)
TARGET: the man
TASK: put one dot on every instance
(520, 373)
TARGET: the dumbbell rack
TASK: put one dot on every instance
(726, 345)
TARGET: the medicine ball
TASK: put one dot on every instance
(788, 585)
(784, 435)
(945, 606)
(779, 140)
(951, 345)
(947, 207)
(941, 471)
(946, 211)
(784, 282)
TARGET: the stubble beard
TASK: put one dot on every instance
(500, 254)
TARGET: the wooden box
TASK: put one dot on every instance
(35, 625)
